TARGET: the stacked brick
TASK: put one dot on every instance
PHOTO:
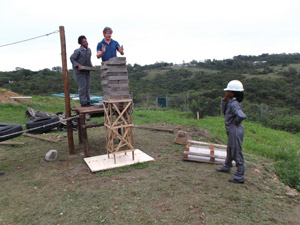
(114, 77)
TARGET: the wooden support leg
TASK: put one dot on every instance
(84, 136)
(79, 130)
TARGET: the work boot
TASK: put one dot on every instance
(1, 172)
(236, 181)
(222, 170)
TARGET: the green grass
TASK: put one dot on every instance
(11, 113)
(167, 191)
(281, 146)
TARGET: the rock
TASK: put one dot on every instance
(51, 155)
(181, 138)
(292, 193)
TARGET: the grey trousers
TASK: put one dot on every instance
(83, 81)
(236, 155)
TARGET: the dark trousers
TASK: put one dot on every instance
(83, 81)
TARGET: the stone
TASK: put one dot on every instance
(181, 138)
(51, 155)
(117, 61)
(291, 193)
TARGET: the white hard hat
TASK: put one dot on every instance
(234, 85)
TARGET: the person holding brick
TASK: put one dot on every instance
(107, 48)
(82, 57)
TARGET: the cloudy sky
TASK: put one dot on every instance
(150, 31)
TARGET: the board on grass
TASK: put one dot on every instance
(102, 162)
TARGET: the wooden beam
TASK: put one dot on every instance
(39, 137)
(11, 143)
(20, 97)
(66, 88)
(204, 155)
(155, 129)
(207, 144)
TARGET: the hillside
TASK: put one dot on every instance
(167, 191)
(270, 81)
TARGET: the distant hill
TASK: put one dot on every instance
(271, 79)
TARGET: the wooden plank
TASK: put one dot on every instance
(117, 127)
(39, 137)
(155, 129)
(117, 100)
(207, 144)
(102, 162)
(11, 143)
(201, 160)
(20, 97)
(203, 154)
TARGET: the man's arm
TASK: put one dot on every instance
(121, 50)
(101, 53)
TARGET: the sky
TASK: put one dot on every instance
(151, 31)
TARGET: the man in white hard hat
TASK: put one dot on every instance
(234, 116)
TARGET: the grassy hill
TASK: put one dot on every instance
(167, 191)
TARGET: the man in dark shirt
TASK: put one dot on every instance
(107, 48)
(82, 57)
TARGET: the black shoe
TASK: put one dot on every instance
(1, 172)
(85, 105)
(222, 170)
(236, 181)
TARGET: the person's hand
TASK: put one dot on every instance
(225, 98)
(121, 50)
(103, 48)
(79, 67)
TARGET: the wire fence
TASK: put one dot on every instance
(282, 118)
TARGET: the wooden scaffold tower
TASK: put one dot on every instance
(117, 106)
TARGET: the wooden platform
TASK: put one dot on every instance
(92, 111)
(101, 162)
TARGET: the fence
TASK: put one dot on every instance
(275, 117)
(155, 102)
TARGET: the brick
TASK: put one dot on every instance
(117, 78)
(117, 61)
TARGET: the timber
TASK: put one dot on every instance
(205, 152)
(40, 138)
(66, 89)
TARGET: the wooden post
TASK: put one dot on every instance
(147, 101)
(221, 110)
(167, 101)
(66, 88)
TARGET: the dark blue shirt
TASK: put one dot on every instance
(111, 49)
